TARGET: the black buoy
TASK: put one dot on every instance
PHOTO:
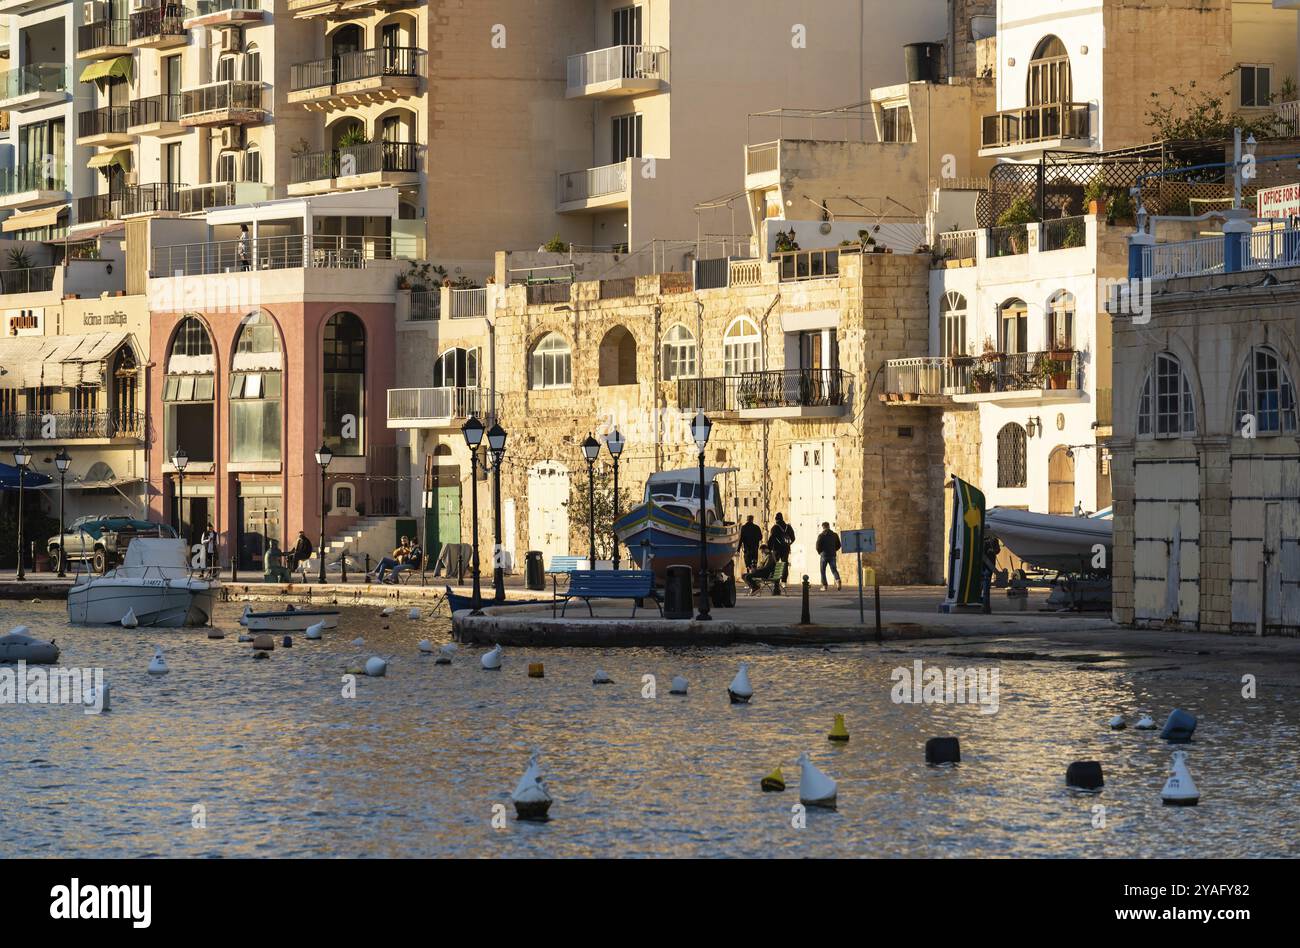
(1179, 727)
(943, 750)
(288, 641)
(1084, 775)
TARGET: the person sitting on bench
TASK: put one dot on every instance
(411, 561)
(764, 570)
(301, 552)
(398, 557)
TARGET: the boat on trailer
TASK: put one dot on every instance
(1052, 542)
(288, 619)
(155, 581)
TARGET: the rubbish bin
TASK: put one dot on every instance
(679, 598)
(534, 570)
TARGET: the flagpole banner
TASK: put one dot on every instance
(966, 546)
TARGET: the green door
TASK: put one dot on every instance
(442, 521)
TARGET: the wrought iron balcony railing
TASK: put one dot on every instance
(101, 34)
(69, 425)
(111, 119)
(167, 19)
(27, 280)
(154, 109)
(358, 64)
(777, 388)
(348, 160)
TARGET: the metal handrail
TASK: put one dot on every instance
(302, 251)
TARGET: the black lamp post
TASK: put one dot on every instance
(323, 457)
(62, 462)
(614, 441)
(496, 438)
(700, 429)
(22, 458)
(591, 451)
(473, 432)
(180, 461)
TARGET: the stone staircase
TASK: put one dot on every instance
(373, 535)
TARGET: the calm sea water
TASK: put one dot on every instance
(284, 765)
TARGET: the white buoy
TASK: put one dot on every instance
(740, 690)
(815, 788)
(358, 641)
(601, 677)
(315, 630)
(425, 647)
(531, 799)
(18, 630)
(248, 611)
(1117, 723)
(414, 613)
(386, 611)
(678, 686)
(376, 667)
(94, 696)
(444, 655)
(245, 637)
(158, 666)
(491, 660)
(1146, 723)
(1180, 790)
(129, 621)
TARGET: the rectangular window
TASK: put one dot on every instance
(626, 28)
(626, 138)
(1256, 81)
(226, 166)
(896, 124)
(343, 412)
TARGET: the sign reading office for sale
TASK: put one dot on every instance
(1279, 203)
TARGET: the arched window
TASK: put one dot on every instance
(191, 339)
(189, 414)
(618, 357)
(1049, 74)
(551, 363)
(742, 347)
(1265, 392)
(1165, 406)
(255, 392)
(344, 368)
(952, 323)
(1013, 327)
(679, 353)
(456, 368)
(125, 390)
(1060, 322)
(1011, 455)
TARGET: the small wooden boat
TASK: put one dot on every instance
(289, 619)
(664, 530)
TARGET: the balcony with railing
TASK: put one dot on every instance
(593, 189)
(957, 248)
(1011, 378)
(72, 426)
(161, 26)
(27, 280)
(31, 186)
(156, 115)
(1062, 233)
(131, 201)
(359, 77)
(369, 164)
(108, 126)
(229, 102)
(104, 39)
(224, 13)
(778, 393)
(1037, 128)
(425, 304)
(617, 71)
(33, 86)
(205, 197)
(764, 160)
(443, 407)
(292, 252)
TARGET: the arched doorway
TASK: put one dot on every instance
(442, 477)
(1060, 481)
(618, 358)
(548, 509)
(344, 384)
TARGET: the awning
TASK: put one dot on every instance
(42, 217)
(9, 478)
(57, 361)
(118, 156)
(91, 233)
(119, 68)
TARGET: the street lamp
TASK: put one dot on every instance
(700, 429)
(496, 438)
(591, 451)
(323, 457)
(473, 432)
(22, 458)
(614, 441)
(180, 461)
(62, 461)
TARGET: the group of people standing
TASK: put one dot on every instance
(762, 557)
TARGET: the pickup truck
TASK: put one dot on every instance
(101, 541)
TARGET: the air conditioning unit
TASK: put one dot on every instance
(232, 137)
(232, 40)
(94, 11)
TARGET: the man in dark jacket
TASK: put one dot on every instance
(780, 540)
(302, 551)
(754, 577)
(828, 545)
(751, 537)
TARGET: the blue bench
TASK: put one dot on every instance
(589, 584)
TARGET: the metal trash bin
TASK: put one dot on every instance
(679, 597)
(534, 570)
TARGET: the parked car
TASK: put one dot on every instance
(101, 541)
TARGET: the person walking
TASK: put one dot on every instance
(209, 541)
(781, 539)
(828, 545)
(751, 538)
(242, 248)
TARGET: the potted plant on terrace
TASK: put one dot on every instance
(983, 377)
(1054, 373)
(1094, 195)
(1020, 213)
(991, 353)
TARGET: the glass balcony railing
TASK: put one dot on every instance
(30, 178)
(40, 77)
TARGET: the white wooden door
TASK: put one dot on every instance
(1167, 526)
(548, 509)
(812, 503)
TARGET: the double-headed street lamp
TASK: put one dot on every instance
(323, 457)
(591, 451)
(473, 432)
(614, 441)
(62, 462)
(180, 461)
(496, 439)
(22, 458)
(700, 429)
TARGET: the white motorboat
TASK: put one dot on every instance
(1065, 544)
(155, 582)
(289, 619)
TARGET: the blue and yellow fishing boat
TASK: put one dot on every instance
(664, 530)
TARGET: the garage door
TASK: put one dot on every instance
(1166, 549)
(1266, 540)
(812, 503)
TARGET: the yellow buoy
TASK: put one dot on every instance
(535, 670)
(773, 782)
(838, 731)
